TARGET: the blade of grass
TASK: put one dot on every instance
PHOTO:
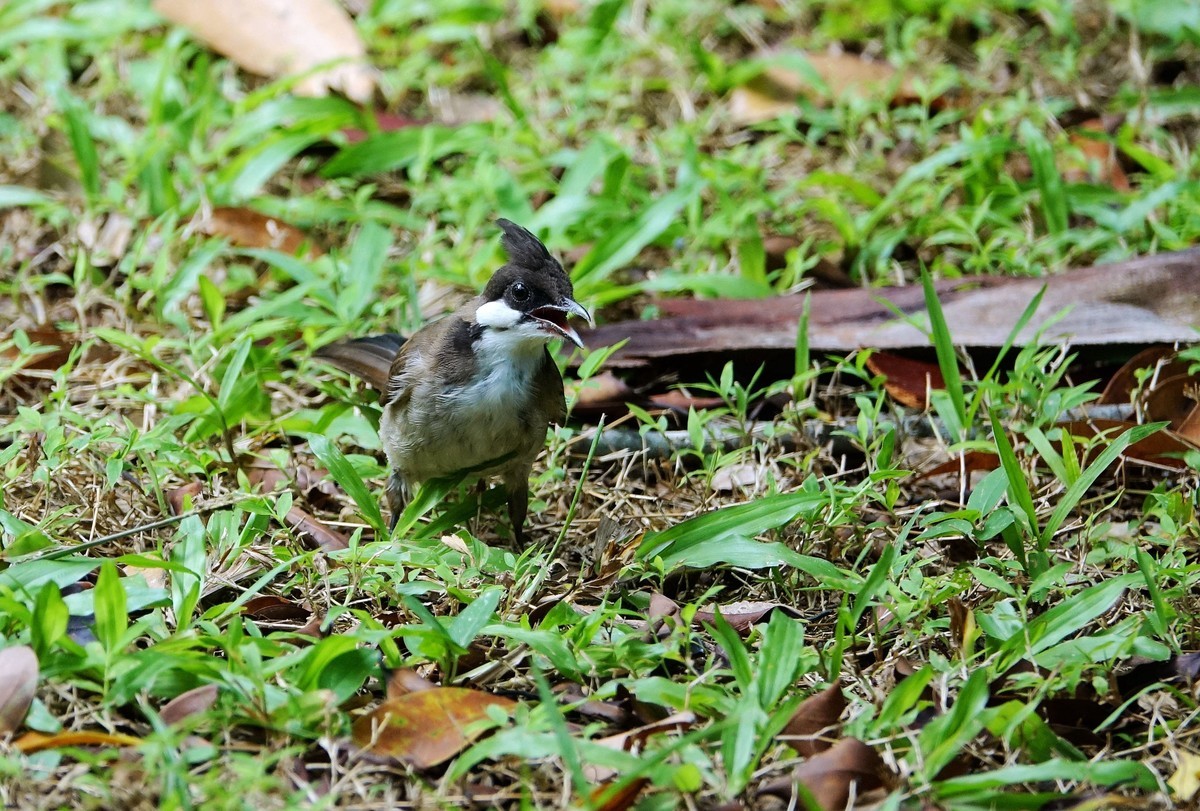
(947, 358)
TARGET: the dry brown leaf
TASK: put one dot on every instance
(283, 38)
(427, 727)
(179, 498)
(315, 532)
(404, 680)
(774, 92)
(32, 742)
(619, 800)
(831, 775)
(808, 730)
(272, 608)
(907, 380)
(247, 228)
(1121, 385)
(742, 616)
(194, 701)
(663, 614)
(1172, 400)
(1097, 160)
(58, 344)
(18, 685)
(155, 577)
(1149, 300)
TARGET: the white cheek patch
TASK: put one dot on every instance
(497, 314)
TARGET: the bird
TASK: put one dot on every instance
(473, 393)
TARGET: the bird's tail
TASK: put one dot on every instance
(369, 358)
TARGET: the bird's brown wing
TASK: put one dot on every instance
(439, 354)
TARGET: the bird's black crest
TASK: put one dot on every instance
(522, 247)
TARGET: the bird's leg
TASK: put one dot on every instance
(518, 505)
(397, 498)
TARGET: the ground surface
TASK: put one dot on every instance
(170, 523)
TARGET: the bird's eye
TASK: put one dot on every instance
(519, 291)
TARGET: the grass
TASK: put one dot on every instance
(144, 356)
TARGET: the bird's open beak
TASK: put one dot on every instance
(554, 318)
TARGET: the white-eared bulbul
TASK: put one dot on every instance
(474, 392)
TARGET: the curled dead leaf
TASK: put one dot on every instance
(428, 727)
(180, 499)
(742, 616)
(314, 39)
(1096, 159)
(247, 228)
(404, 680)
(830, 776)
(272, 608)
(315, 531)
(806, 731)
(830, 77)
(192, 702)
(908, 381)
(18, 685)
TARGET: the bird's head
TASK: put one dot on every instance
(532, 294)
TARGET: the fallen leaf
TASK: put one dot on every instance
(624, 797)
(282, 38)
(1172, 399)
(404, 680)
(18, 685)
(1185, 782)
(740, 476)
(54, 349)
(315, 532)
(663, 614)
(192, 702)
(907, 380)
(273, 608)
(247, 228)
(32, 742)
(807, 730)
(833, 77)
(1163, 359)
(1096, 160)
(603, 388)
(743, 616)
(155, 577)
(830, 775)
(428, 727)
(612, 711)
(180, 499)
(1181, 669)
(1148, 300)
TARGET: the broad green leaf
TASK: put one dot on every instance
(112, 616)
(343, 473)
